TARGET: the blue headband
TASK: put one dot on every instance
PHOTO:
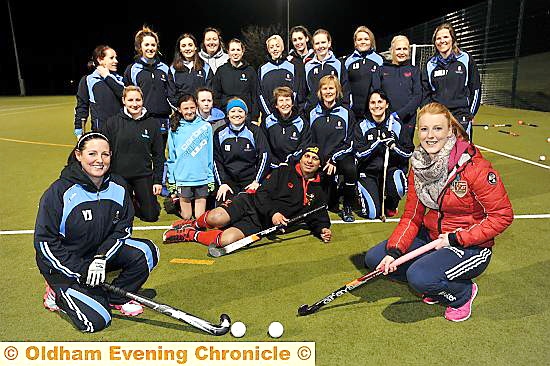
(236, 103)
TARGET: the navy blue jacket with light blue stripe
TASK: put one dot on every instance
(100, 97)
(187, 81)
(287, 137)
(76, 221)
(332, 130)
(282, 72)
(361, 68)
(240, 157)
(153, 81)
(315, 70)
(370, 147)
(455, 84)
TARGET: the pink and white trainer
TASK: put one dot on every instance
(463, 312)
(49, 299)
(131, 308)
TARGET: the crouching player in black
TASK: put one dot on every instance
(381, 133)
(289, 191)
(83, 231)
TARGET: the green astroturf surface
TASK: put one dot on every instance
(381, 323)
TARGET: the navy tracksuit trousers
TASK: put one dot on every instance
(88, 307)
(444, 275)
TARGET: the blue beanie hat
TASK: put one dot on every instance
(236, 103)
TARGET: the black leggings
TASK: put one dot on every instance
(347, 169)
(145, 202)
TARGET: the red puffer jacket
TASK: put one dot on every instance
(473, 207)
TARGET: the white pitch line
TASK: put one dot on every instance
(514, 157)
(19, 110)
(148, 228)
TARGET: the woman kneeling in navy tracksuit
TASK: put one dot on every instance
(82, 231)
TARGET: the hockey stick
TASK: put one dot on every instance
(214, 329)
(385, 174)
(492, 125)
(215, 251)
(306, 310)
(509, 133)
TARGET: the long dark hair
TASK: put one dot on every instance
(177, 62)
(177, 116)
(82, 142)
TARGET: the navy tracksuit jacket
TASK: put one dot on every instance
(362, 68)
(281, 72)
(100, 97)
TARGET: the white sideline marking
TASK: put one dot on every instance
(18, 110)
(148, 228)
(514, 157)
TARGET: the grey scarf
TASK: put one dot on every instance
(430, 175)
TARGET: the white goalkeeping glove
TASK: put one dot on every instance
(96, 271)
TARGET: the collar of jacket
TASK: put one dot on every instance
(197, 119)
(145, 61)
(462, 152)
(389, 63)
(363, 54)
(205, 54)
(277, 62)
(143, 113)
(74, 174)
(323, 109)
(288, 120)
(242, 66)
(331, 58)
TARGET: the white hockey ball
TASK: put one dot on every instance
(275, 330)
(238, 329)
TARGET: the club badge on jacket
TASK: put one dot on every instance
(460, 188)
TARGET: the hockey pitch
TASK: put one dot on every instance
(379, 322)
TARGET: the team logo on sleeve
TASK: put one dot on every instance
(459, 187)
(492, 178)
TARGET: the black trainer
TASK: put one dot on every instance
(347, 214)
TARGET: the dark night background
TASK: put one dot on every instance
(55, 40)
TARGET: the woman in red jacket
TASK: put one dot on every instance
(456, 195)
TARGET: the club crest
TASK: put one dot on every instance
(460, 188)
(492, 178)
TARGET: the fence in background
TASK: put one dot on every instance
(501, 36)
